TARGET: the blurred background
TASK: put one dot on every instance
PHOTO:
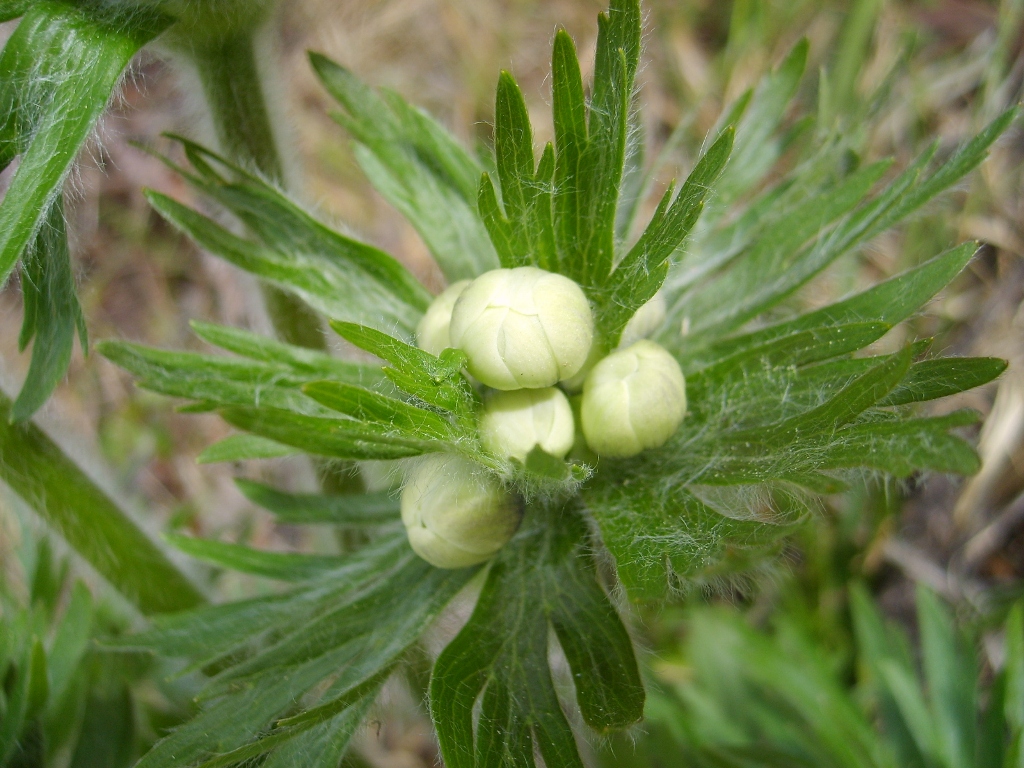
(905, 74)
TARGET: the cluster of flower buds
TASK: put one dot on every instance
(528, 334)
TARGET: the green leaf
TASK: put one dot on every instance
(410, 162)
(755, 281)
(52, 313)
(437, 381)
(397, 416)
(330, 285)
(326, 643)
(337, 438)
(856, 397)
(900, 448)
(643, 270)
(61, 53)
(522, 234)
(346, 509)
(89, 521)
(888, 302)
(756, 150)
(570, 122)
(500, 656)
(932, 379)
(285, 227)
(758, 289)
(244, 447)
(966, 158)
(284, 566)
(214, 379)
(590, 144)
(267, 350)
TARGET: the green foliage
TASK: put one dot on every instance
(59, 69)
(781, 408)
(63, 698)
(545, 576)
(335, 274)
(298, 670)
(86, 517)
(778, 698)
(417, 167)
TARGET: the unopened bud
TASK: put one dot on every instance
(522, 328)
(516, 422)
(647, 320)
(634, 399)
(455, 513)
(432, 334)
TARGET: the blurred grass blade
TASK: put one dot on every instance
(851, 56)
(52, 313)
(952, 679)
(93, 525)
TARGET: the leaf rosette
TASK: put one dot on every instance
(777, 411)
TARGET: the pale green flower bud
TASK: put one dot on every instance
(647, 320)
(515, 422)
(455, 513)
(634, 399)
(523, 328)
(432, 333)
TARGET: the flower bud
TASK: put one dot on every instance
(432, 333)
(648, 319)
(455, 513)
(515, 422)
(633, 399)
(522, 328)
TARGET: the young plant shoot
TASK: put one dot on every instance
(548, 282)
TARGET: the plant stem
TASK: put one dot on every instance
(236, 98)
(89, 520)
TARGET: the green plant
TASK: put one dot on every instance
(62, 698)
(778, 412)
(740, 697)
(780, 409)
